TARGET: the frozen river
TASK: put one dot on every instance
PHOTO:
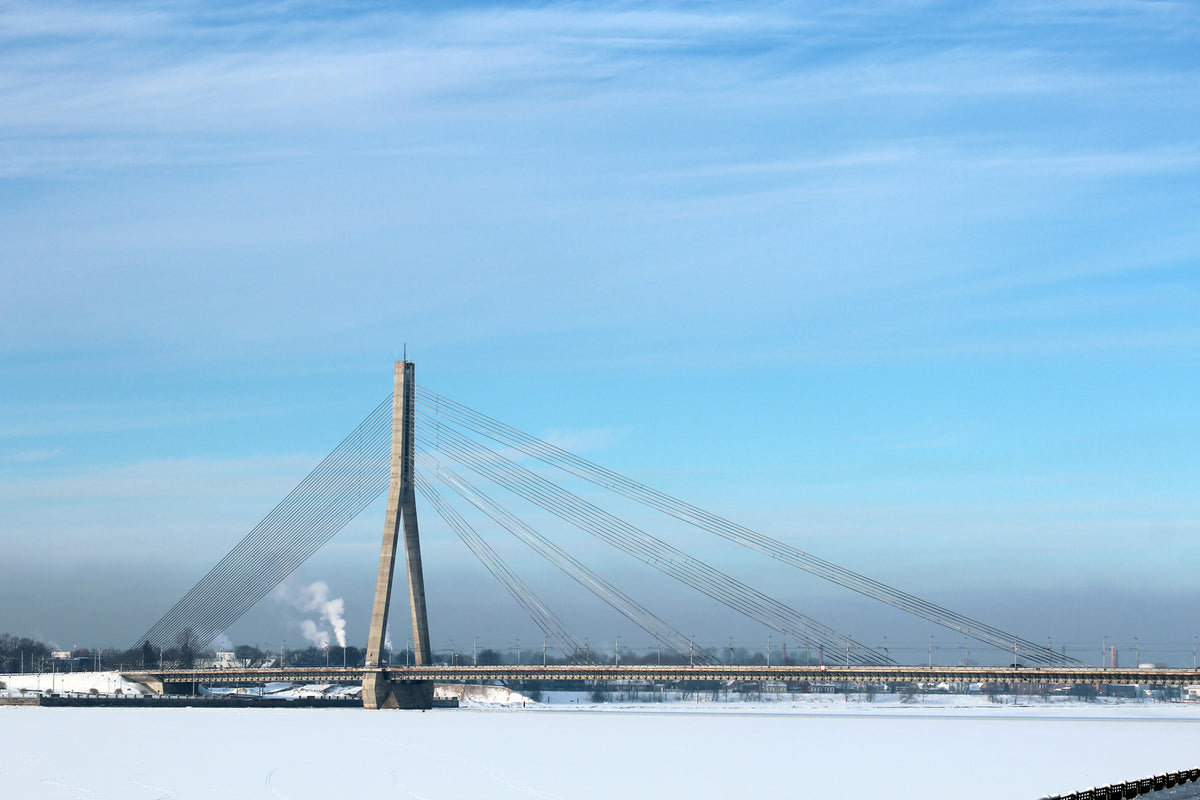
(697, 751)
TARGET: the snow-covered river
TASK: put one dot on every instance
(812, 747)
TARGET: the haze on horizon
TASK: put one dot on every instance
(914, 288)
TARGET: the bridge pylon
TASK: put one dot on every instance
(378, 690)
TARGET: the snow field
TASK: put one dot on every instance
(108, 682)
(580, 751)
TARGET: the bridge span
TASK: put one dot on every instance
(165, 680)
(467, 453)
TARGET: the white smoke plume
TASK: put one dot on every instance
(314, 634)
(315, 597)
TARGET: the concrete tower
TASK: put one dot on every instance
(378, 691)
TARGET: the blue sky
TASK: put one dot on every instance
(913, 286)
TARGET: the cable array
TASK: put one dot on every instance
(357, 471)
(538, 611)
(615, 598)
(641, 545)
(469, 419)
(341, 486)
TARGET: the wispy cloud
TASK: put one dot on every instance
(32, 456)
(958, 155)
(119, 87)
(66, 420)
(192, 478)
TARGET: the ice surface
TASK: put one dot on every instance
(947, 747)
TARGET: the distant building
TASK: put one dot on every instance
(63, 661)
(222, 659)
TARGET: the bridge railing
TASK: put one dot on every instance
(1129, 789)
(705, 672)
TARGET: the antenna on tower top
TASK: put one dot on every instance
(406, 351)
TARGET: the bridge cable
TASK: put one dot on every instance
(549, 622)
(231, 568)
(608, 479)
(615, 598)
(590, 580)
(650, 550)
(695, 574)
(685, 571)
(252, 572)
(344, 483)
(226, 605)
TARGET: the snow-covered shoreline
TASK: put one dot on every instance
(107, 682)
(500, 744)
(484, 696)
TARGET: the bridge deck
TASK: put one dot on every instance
(670, 673)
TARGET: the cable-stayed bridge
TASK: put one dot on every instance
(178, 681)
(417, 441)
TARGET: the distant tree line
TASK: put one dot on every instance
(186, 652)
(21, 653)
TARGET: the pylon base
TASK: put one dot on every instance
(379, 692)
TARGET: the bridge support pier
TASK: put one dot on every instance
(378, 691)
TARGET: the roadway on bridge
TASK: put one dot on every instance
(673, 673)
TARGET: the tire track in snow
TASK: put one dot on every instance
(503, 780)
(83, 791)
(163, 794)
(410, 792)
(267, 781)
